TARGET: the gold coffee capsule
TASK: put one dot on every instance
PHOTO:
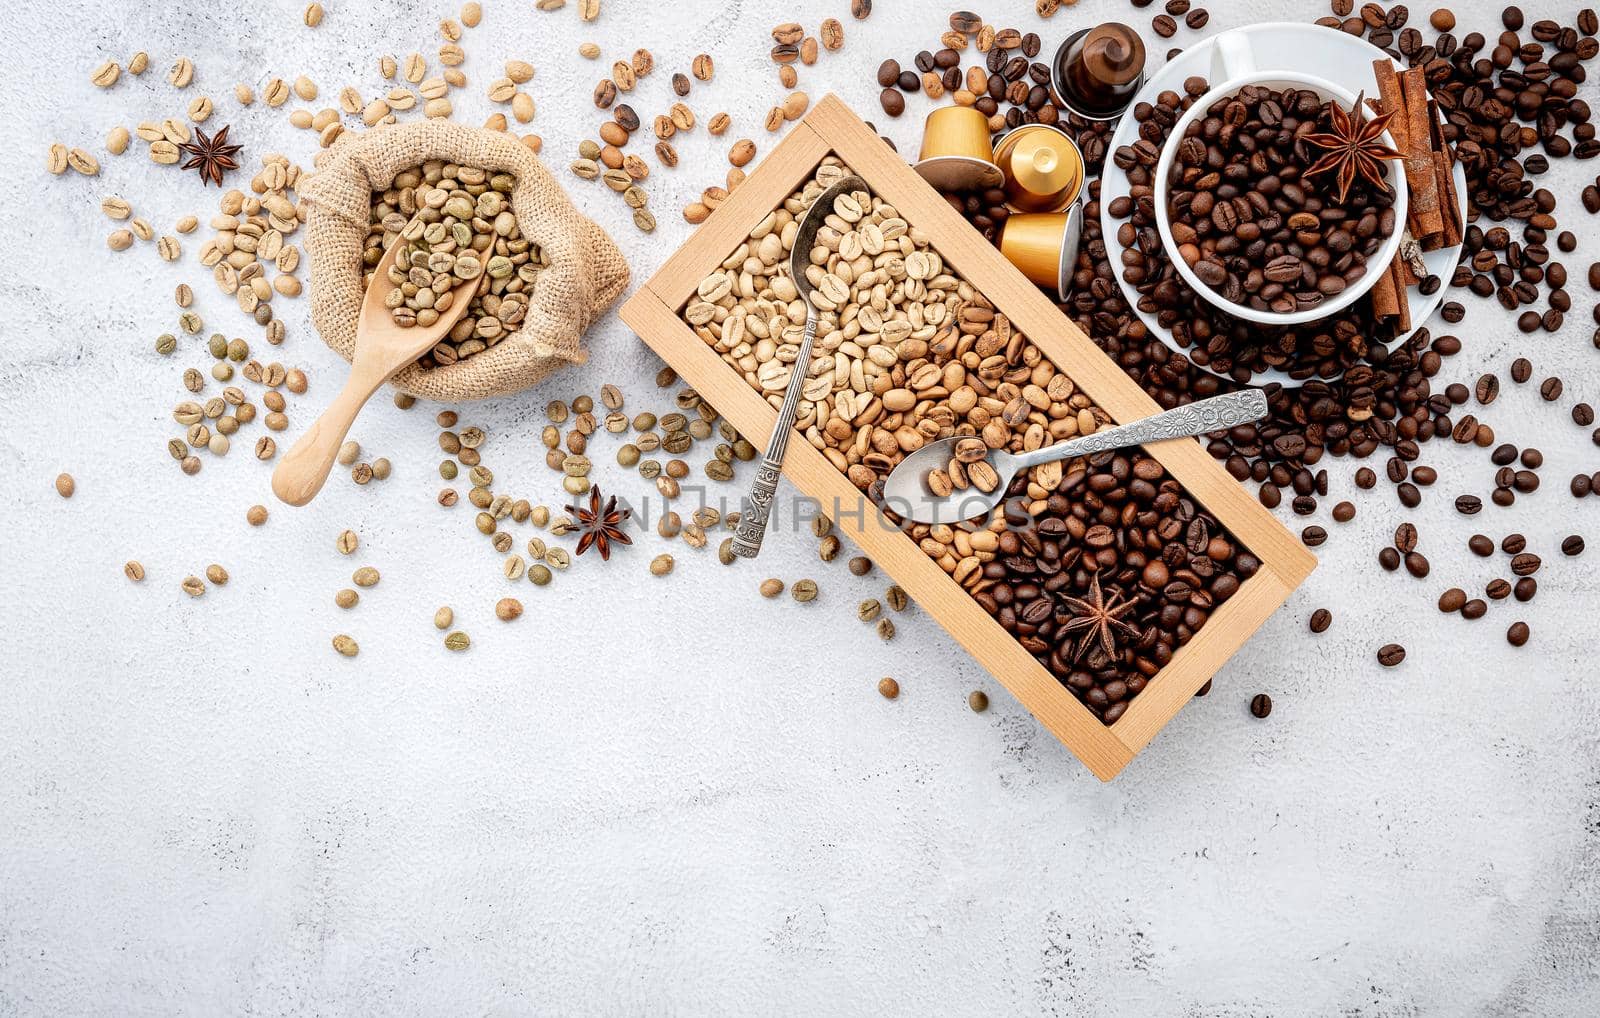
(1044, 246)
(1042, 167)
(956, 151)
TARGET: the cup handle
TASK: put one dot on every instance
(1231, 57)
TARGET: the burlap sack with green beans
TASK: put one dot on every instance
(585, 275)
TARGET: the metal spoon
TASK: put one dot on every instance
(757, 508)
(906, 491)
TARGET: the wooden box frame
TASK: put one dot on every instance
(831, 127)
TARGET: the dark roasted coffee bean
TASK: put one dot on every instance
(1503, 455)
(1391, 654)
(1481, 545)
(1525, 589)
(1580, 485)
(1164, 25)
(1416, 564)
(1532, 458)
(888, 72)
(1521, 370)
(1498, 589)
(1517, 635)
(892, 101)
(1321, 619)
(1572, 546)
(1468, 505)
(1365, 478)
(1476, 608)
(1582, 414)
(1389, 559)
(1488, 388)
(1525, 564)
(1405, 537)
(1550, 389)
(1410, 496)
(1513, 544)
(1344, 512)
(1313, 536)
(1261, 705)
(1452, 600)
(1197, 18)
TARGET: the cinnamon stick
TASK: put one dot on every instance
(1421, 173)
(1445, 163)
(1386, 293)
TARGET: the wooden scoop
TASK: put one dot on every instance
(382, 348)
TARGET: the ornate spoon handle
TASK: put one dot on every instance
(1207, 415)
(757, 508)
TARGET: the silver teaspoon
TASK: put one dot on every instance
(906, 491)
(757, 506)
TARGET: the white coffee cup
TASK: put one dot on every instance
(1233, 63)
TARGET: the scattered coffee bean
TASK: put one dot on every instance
(1260, 705)
(1517, 635)
(1452, 600)
(978, 700)
(888, 688)
(1321, 619)
(1572, 546)
(1391, 654)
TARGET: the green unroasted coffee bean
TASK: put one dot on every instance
(897, 597)
(540, 575)
(885, 629)
(457, 641)
(366, 576)
(443, 618)
(771, 587)
(661, 565)
(346, 598)
(804, 591)
(869, 610)
(345, 645)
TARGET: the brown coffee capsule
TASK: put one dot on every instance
(1097, 71)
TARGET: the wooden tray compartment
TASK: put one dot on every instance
(831, 127)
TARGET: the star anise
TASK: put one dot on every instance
(1355, 148)
(1099, 621)
(600, 527)
(212, 156)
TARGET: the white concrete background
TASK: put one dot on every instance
(672, 797)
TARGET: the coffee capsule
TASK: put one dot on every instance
(1097, 71)
(1042, 169)
(956, 151)
(1044, 246)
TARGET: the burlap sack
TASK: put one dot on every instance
(586, 272)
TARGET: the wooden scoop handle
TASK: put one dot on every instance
(303, 471)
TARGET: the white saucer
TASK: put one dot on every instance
(1310, 49)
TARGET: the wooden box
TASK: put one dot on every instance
(653, 312)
